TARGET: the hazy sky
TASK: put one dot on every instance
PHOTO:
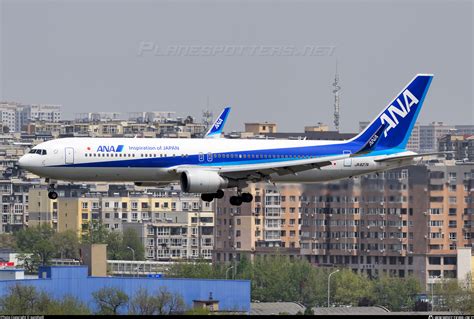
(123, 56)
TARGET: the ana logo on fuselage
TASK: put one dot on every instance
(395, 112)
(109, 148)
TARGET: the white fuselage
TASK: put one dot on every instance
(149, 160)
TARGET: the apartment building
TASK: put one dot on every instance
(431, 133)
(177, 235)
(16, 115)
(267, 225)
(409, 221)
(461, 145)
(14, 201)
(172, 225)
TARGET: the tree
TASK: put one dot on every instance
(20, 300)
(7, 241)
(110, 300)
(27, 300)
(68, 305)
(171, 303)
(115, 249)
(66, 244)
(397, 294)
(308, 311)
(454, 296)
(36, 245)
(197, 269)
(163, 302)
(96, 233)
(143, 304)
(350, 288)
(131, 239)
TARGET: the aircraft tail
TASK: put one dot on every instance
(399, 117)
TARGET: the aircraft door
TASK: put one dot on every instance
(209, 157)
(347, 161)
(69, 155)
(201, 157)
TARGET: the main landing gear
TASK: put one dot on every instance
(233, 200)
(242, 198)
(210, 196)
(52, 190)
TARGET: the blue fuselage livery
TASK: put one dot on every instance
(209, 165)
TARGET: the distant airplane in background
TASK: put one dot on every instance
(215, 131)
(209, 165)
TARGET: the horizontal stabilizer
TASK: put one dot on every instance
(404, 157)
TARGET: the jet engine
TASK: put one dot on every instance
(201, 181)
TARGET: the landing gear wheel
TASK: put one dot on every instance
(219, 194)
(235, 200)
(52, 195)
(247, 197)
(207, 197)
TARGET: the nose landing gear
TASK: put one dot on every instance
(52, 190)
(52, 195)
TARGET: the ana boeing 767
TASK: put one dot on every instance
(209, 165)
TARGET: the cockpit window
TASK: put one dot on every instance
(37, 151)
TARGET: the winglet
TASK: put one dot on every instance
(216, 129)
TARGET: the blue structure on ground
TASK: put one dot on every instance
(59, 281)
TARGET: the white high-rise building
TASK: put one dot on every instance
(46, 113)
(15, 115)
(429, 135)
(8, 116)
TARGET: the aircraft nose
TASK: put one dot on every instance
(22, 162)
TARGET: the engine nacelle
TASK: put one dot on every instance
(200, 181)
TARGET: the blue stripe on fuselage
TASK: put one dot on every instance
(243, 157)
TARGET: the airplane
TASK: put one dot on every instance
(215, 131)
(208, 165)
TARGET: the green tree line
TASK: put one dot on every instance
(278, 278)
(27, 300)
(39, 244)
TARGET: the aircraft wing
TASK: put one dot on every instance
(394, 158)
(216, 128)
(262, 171)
